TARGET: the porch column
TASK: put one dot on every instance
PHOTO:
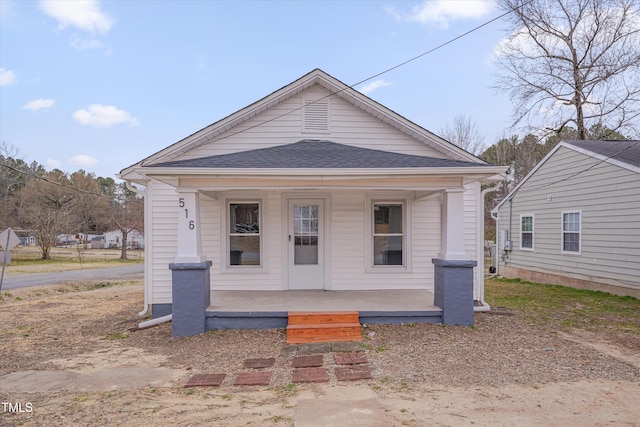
(453, 270)
(189, 240)
(190, 271)
(452, 225)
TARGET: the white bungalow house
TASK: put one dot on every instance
(313, 191)
(574, 220)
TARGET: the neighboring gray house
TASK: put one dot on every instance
(574, 220)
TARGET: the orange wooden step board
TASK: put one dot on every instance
(307, 327)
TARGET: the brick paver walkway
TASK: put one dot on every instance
(307, 361)
(253, 378)
(308, 366)
(205, 380)
(354, 358)
(310, 375)
(353, 373)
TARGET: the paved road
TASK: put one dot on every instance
(134, 271)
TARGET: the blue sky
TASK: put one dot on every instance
(99, 85)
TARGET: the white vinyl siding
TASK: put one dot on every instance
(608, 198)
(527, 226)
(283, 124)
(163, 230)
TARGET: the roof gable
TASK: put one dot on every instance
(231, 125)
(625, 154)
(314, 154)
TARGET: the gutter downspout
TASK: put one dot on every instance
(485, 306)
(147, 277)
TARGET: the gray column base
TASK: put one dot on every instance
(191, 297)
(454, 290)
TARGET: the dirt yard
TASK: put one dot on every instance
(67, 357)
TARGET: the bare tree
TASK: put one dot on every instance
(125, 210)
(572, 63)
(464, 133)
(46, 208)
(89, 205)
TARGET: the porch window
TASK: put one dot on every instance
(571, 231)
(526, 232)
(244, 234)
(388, 234)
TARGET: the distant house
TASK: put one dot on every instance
(113, 239)
(314, 188)
(98, 242)
(574, 220)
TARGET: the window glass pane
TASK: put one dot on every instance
(527, 223)
(571, 242)
(387, 219)
(244, 250)
(387, 250)
(571, 221)
(244, 218)
(527, 240)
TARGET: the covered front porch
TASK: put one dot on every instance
(269, 309)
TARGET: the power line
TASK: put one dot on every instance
(388, 70)
(71, 187)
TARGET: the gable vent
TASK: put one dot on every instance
(316, 116)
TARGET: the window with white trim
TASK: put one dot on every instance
(571, 231)
(388, 233)
(244, 245)
(526, 232)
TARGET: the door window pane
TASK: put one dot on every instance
(305, 234)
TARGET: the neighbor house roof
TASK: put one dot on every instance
(623, 151)
(625, 154)
(314, 154)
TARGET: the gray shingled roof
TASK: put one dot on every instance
(622, 151)
(312, 154)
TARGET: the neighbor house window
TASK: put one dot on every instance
(526, 232)
(244, 234)
(571, 230)
(388, 234)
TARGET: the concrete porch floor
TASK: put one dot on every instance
(402, 300)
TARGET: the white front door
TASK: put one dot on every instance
(306, 244)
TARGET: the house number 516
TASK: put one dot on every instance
(192, 223)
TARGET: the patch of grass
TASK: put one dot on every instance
(115, 336)
(381, 348)
(565, 308)
(366, 346)
(225, 397)
(81, 398)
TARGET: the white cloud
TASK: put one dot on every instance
(103, 116)
(7, 77)
(85, 15)
(82, 160)
(39, 104)
(440, 13)
(366, 89)
(53, 164)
